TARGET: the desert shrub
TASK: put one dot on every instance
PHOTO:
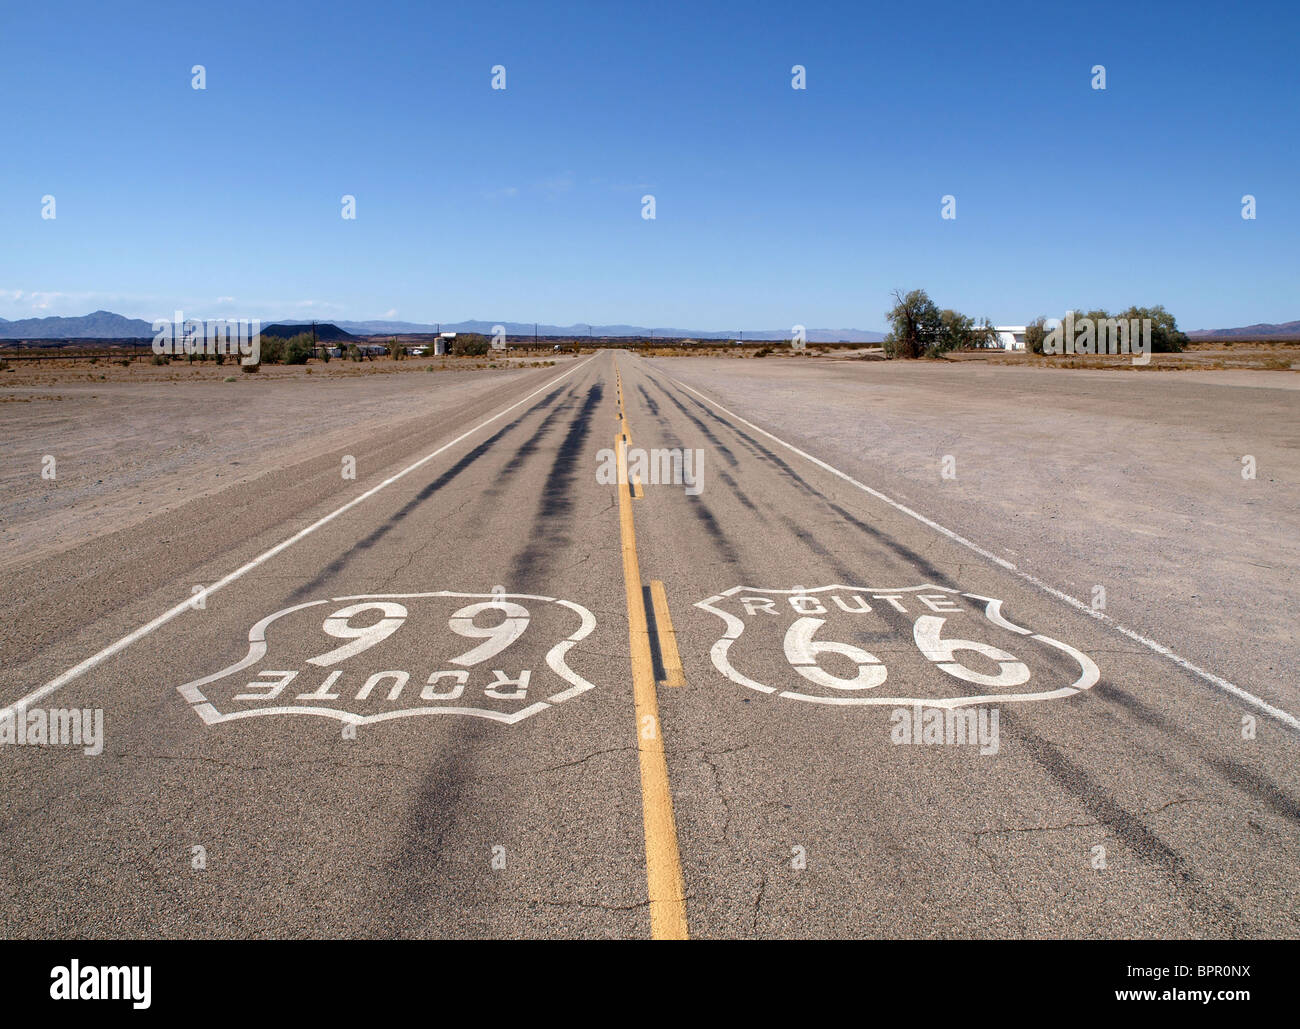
(471, 344)
(273, 348)
(762, 351)
(1035, 334)
(298, 350)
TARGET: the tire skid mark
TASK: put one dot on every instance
(917, 561)
(427, 491)
(552, 524)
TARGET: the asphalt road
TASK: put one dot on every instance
(450, 706)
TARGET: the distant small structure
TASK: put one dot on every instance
(1011, 337)
(443, 343)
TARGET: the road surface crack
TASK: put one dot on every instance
(1088, 825)
(583, 760)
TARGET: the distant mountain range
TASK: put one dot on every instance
(1263, 330)
(107, 325)
(100, 325)
(517, 329)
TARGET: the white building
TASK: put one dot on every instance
(1010, 337)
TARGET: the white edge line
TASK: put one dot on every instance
(1286, 718)
(189, 605)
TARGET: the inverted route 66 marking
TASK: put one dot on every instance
(889, 646)
(375, 657)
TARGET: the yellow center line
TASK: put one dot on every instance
(676, 675)
(664, 883)
(622, 413)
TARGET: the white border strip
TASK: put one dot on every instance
(188, 605)
(1273, 712)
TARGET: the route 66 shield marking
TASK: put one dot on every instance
(889, 646)
(378, 656)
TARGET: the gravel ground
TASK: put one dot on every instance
(151, 438)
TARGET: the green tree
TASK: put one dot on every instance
(1165, 335)
(916, 325)
(272, 349)
(471, 344)
(961, 332)
(298, 349)
(954, 330)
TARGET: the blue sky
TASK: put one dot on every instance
(774, 206)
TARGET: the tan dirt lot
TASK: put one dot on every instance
(150, 438)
